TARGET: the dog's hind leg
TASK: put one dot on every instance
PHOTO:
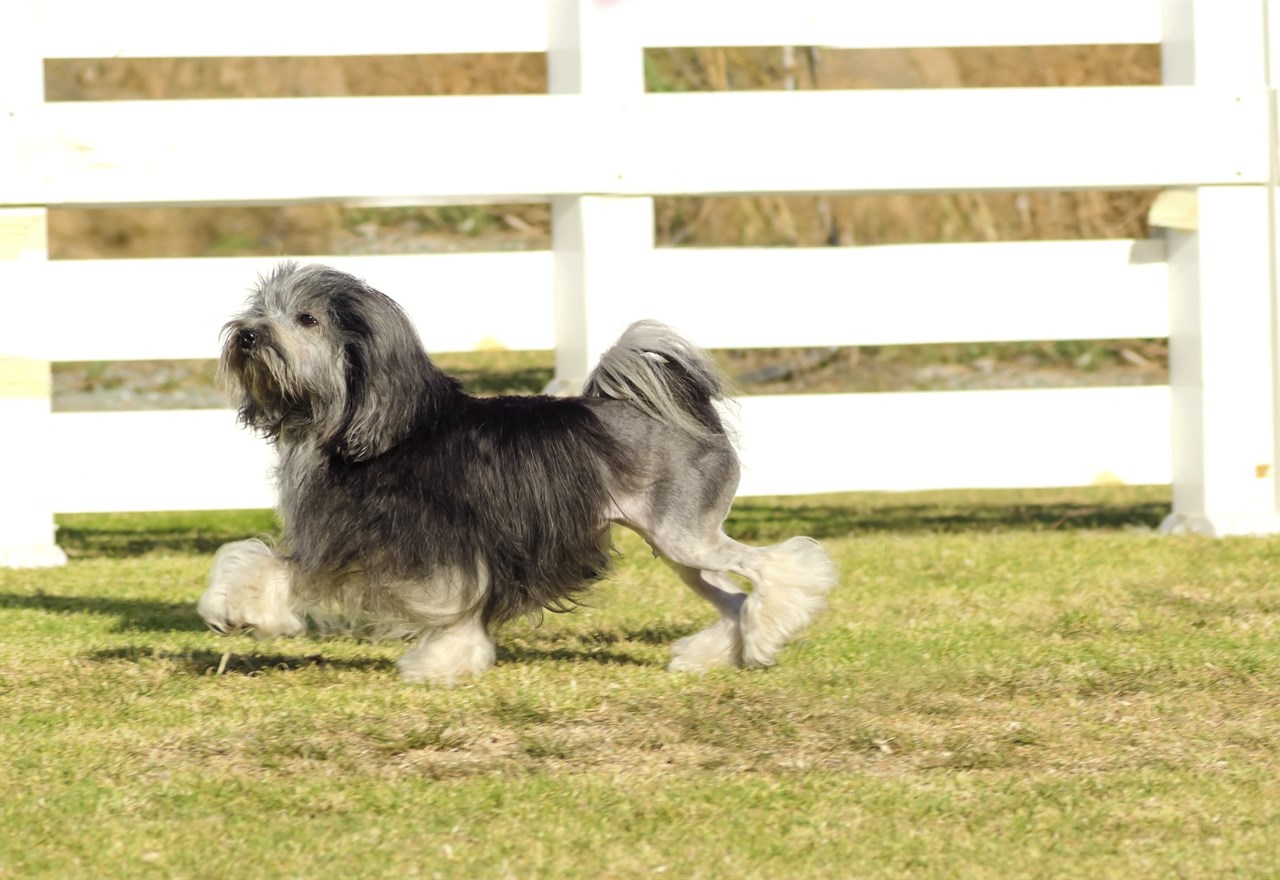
(679, 506)
(447, 655)
(789, 586)
(721, 643)
(791, 581)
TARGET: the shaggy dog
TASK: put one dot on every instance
(413, 507)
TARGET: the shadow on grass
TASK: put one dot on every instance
(132, 615)
(756, 520)
(530, 380)
(659, 635)
(122, 535)
(249, 662)
(245, 662)
(113, 544)
(603, 657)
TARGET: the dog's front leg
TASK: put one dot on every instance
(250, 588)
(450, 654)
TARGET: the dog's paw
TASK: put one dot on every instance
(449, 656)
(718, 645)
(249, 589)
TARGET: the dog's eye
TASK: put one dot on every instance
(307, 320)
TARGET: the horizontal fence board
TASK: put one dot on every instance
(809, 444)
(174, 308)
(153, 28)
(911, 294)
(868, 24)
(201, 460)
(465, 149)
(883, 295)
(160, 29)
(272, 151)
(165, 460)
(937, 140)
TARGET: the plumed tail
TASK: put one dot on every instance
(664, 375)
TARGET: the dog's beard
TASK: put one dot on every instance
(272, 398)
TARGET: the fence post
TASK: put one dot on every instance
(1222, 298)
(601, 243)
(26, 510)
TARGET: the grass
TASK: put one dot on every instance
(1019, 684)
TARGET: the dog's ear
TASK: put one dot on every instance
(391, 385)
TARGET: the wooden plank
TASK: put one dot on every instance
(462, 149)
(155, 28)
(200, 460)
(955, 440)
(911, 294)
(273, 151)
(902, 23)
(26, 517)
(153, 309)
(152, 28)
(935, 140)
(175, 460)
(889, 295)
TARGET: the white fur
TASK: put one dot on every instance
(450, 655)
(791, 585)
(658, 460)
(249, 589)
(718, 645)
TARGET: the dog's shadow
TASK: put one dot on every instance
(607, 647)
(250, 662)
(131, 615)
(532, 656)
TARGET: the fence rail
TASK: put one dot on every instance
(599, 148)
(75, 29)
(890, 295)
(801, 444)
(282, 150)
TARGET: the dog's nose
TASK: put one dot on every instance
(247, 338)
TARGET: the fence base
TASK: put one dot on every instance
(35, 556)
(1221, 525)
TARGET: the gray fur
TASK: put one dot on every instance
(415, 506)
(638, 369)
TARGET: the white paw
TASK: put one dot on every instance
(718, 645)
(249, 589)
(448, 657)
(790, 592)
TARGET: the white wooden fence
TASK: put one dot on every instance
(599, 148)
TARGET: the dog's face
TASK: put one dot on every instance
(318, 354)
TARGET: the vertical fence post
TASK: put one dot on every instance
(1222, 298)
(601, 243)
(26, 511)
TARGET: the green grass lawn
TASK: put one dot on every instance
(1028, 684)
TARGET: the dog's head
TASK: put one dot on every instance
(319, 355)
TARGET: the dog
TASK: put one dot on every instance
(415, 508)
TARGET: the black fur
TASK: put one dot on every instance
(390, 473)
(518, 483)
(416, 508)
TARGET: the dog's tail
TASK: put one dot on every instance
(664, 375)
